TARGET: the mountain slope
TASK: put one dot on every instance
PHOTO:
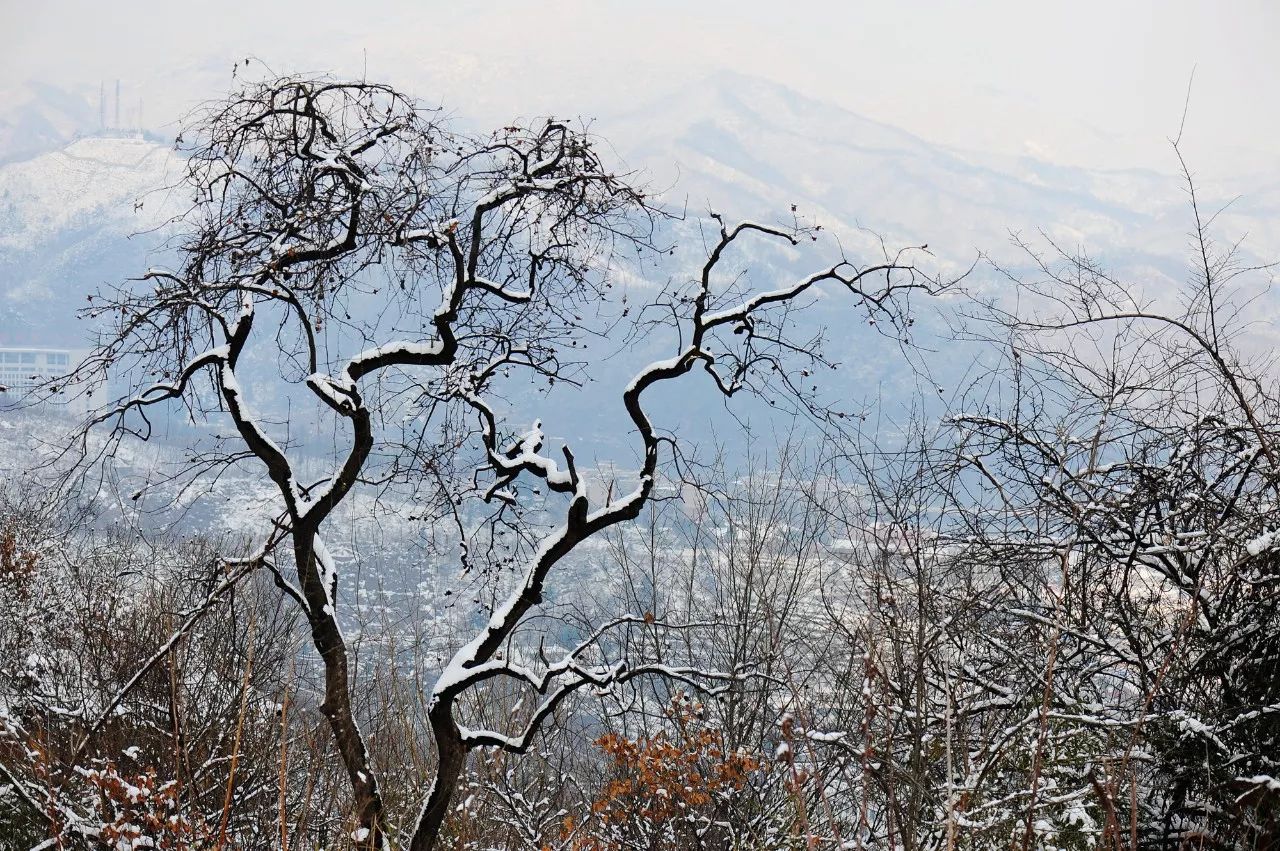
(67, 225)
(739, 141)
(38, 117)
(748, 147)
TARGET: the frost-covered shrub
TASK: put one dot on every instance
(110, 730)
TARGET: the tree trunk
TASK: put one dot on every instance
(336, 708)
(453, 756)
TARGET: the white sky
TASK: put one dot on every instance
(1099, 84)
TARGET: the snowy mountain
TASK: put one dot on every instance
(751, 147)
(74, 220)
(85, 216)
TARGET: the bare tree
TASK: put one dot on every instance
(345, 242)
(1131, 479)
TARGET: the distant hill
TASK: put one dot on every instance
(74, 220)
(752, 147)
(38, 118)
(71, 222)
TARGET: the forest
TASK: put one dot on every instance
(1038, 610)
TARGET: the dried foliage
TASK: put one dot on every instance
(672, 789)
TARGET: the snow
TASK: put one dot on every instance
(814, 735)
(339, 394)
(328, 572)
(1271, 783)
(651, 369)
(92, 181)
(1262, 543)
(524, 453)
(405, 350)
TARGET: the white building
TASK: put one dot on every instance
(22, 369)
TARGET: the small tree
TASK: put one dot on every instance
(347, 243)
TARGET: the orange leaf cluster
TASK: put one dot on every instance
(136, 807)
(668, 777)
(17, 566)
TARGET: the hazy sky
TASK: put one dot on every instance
(1088, 83)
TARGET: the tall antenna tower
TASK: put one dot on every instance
(117, 103)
